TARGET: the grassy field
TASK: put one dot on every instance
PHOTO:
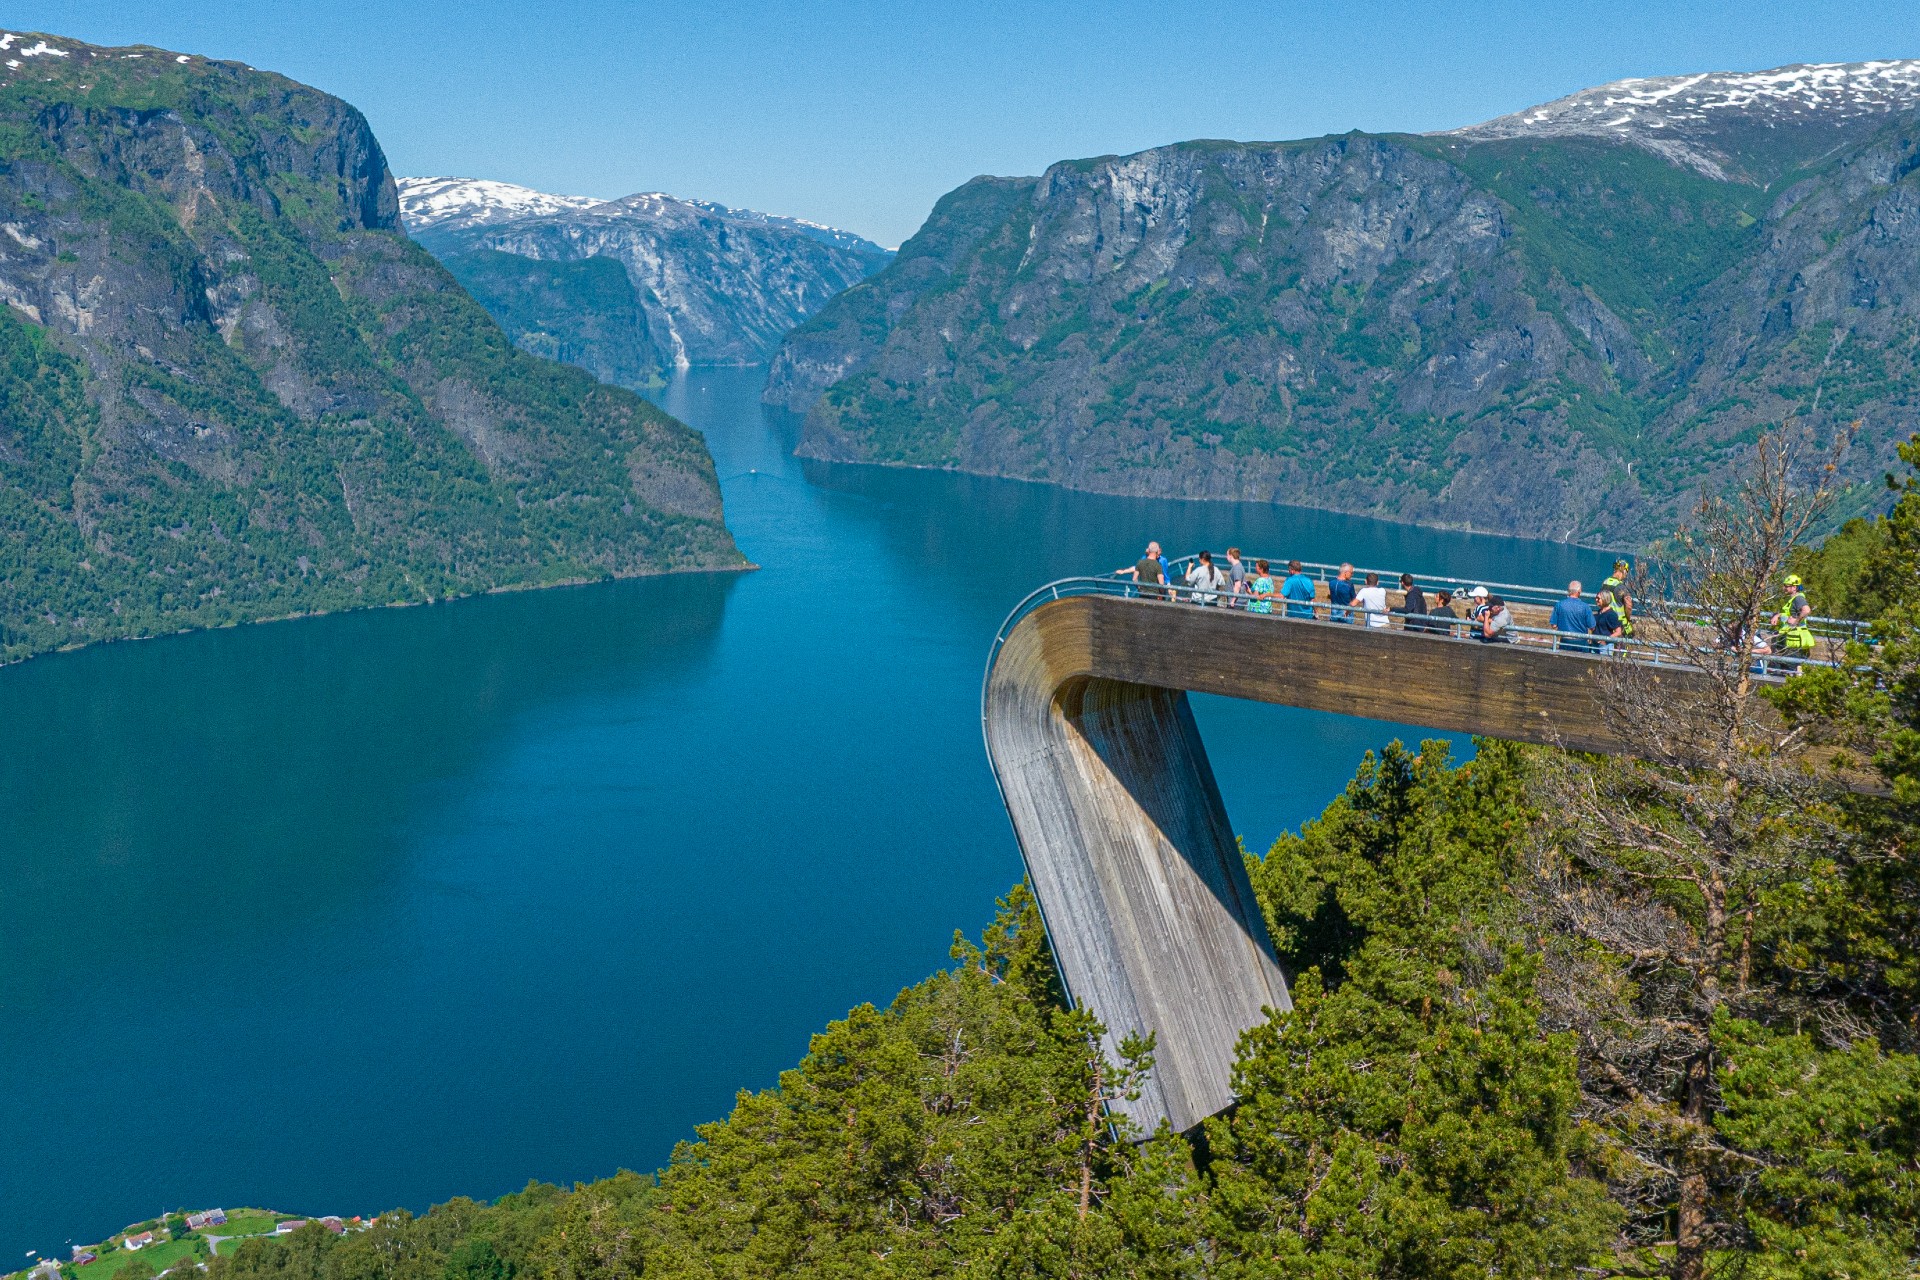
(161, 1256)
(245, 1222)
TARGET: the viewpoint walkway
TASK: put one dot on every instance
(1126, 841)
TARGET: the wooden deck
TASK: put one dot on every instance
(1147, 902)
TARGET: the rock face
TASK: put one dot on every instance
(709, 284)
(234, 389)
(1558, 324)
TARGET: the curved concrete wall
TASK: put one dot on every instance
(1127, 844)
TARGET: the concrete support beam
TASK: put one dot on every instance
(1146, 898)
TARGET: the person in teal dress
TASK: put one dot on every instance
(1262, 586)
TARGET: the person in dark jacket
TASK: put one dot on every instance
(1413, 607)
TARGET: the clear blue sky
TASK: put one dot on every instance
(862, 114)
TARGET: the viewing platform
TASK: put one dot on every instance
(1127, 844)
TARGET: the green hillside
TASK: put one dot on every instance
(235, 390)
(1552, 336)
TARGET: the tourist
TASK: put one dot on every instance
(1371, 600)
(1606, 622)
(1340, 596)
(1206, 578)
(1572, 616)
(1236, 578)
(1150, 572)
(1261, 589)
(1796, 638)
(1413, 604)
(1443, 615)
(1496, 621)
(1298, 590)
(1622, 596)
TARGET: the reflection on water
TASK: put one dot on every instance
(371, 910)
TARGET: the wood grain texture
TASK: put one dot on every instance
(1127, 845)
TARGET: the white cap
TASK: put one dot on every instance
(1478, 593)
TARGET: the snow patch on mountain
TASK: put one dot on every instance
(1676, 116)
(457, 203)
(472, 202)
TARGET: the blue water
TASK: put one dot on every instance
(373, 910)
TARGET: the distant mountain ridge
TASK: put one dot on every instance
(703, 283)
(1712, 121)
(232, 388)
(1558, 323)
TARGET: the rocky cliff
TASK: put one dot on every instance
(232, 388)
(1557, 324)
(704, 284)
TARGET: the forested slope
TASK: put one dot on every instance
(231, 388)
(1555, 1015)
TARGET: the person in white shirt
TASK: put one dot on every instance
(1371, 600)
(1206, 578)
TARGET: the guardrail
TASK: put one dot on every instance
(1644, 649)
(1836, 629)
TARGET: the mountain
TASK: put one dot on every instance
(232, 388)
(1559, 323)
(635, 287)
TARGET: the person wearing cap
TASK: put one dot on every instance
(1616, 584)
(1477, 607)
(1796, 636)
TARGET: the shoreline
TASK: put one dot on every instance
(747, 566)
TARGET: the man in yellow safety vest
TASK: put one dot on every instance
(1622, 597)
(1796, 636)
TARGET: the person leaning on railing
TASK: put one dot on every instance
(1340, 596)
(1607, 622)
(1496, 624)
(1236, 579)
(1206, 579)
(1371, 600)
(1298, 591)
(1150, 573)
(1261, 589)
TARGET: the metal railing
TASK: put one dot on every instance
(1835, 629)
(1646, 648)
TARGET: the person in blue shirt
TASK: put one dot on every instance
(1340, 596)
(1573, 617)
(1298, 590)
